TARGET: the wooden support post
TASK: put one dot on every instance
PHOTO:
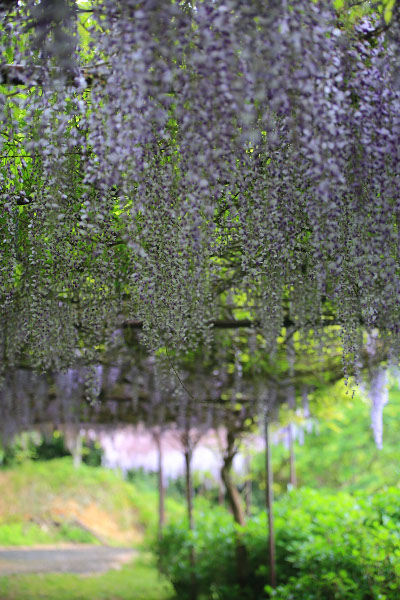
(77, 450)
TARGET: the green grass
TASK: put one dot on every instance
(31, 490)
(31, 534)
(28, 492)
(137, 581)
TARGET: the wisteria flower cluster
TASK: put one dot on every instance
(156, 155)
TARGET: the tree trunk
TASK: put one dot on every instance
(235, 502)
(269, 500)
(189, 502)
(221, 494)
(233, 495)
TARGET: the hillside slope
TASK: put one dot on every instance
(47, 502)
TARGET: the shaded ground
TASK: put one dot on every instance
(79, 559)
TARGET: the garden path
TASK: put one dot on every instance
(74, 558)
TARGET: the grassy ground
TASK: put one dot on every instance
(49, 502)
(32, 534)
(138, 581)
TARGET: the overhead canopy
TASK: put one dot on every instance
(165, 162)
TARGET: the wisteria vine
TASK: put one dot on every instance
(157, 155)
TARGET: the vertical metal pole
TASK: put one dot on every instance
(292, 459)
(189, 500)
(291, 400)
(161, 488)
(189, 489)
(248, 487)
(269, 500)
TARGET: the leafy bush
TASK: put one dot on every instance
(350, 549)
(214, 543)
(31, 445)
(52, 447)
(328, 547)
(92, 453)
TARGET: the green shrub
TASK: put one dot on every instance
(328, 547)
(351, 550)
(92, 453)
(214, 542)
(32, 445)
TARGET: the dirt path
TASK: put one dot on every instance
(63, 559)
